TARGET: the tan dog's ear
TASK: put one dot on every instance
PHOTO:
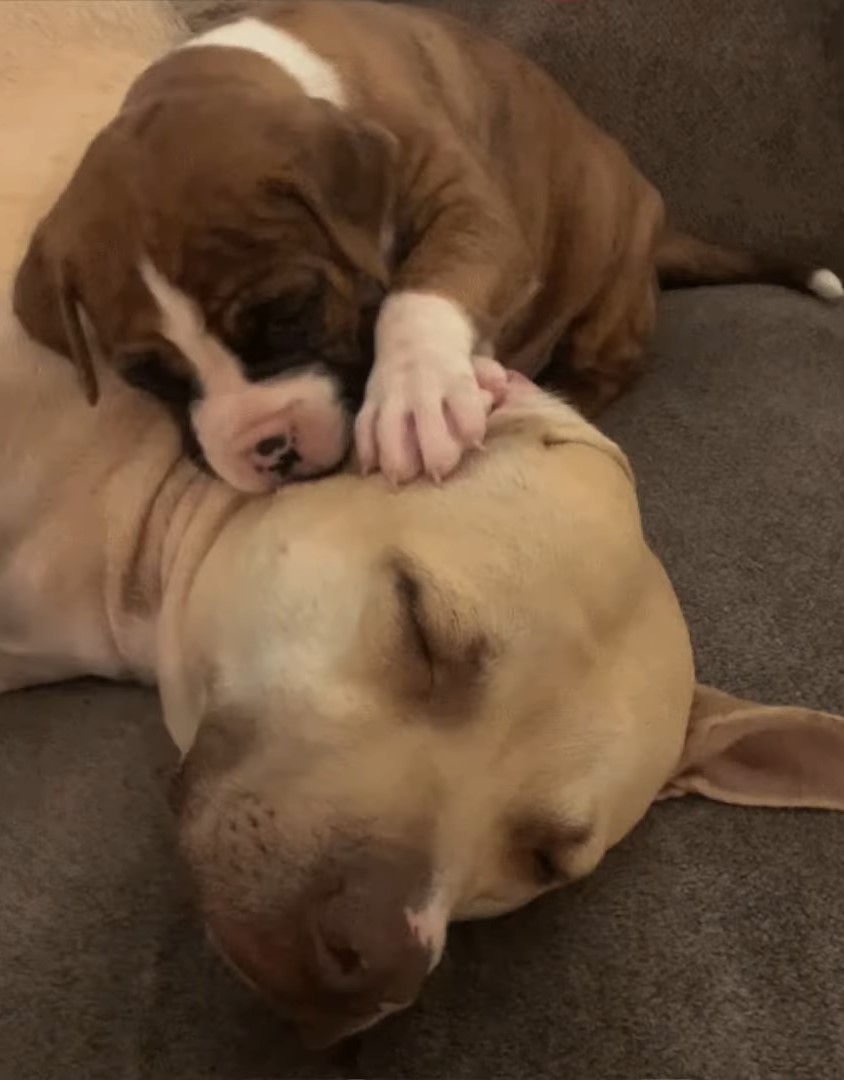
(344, 169)
(760, 755)
(47, 304)
(555, 422)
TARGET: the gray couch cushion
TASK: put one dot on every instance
(734, 108)
(105, 973)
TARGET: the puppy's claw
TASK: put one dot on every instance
(436, 476)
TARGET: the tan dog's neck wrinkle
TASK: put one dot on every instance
(161, 540)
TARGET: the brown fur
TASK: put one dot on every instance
(226, 245)
(506, 199)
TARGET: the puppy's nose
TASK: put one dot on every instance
(375, 958)
(267, 447)
(277, 455)
(286, 463)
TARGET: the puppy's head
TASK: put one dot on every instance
(223, 252)
(402, 709)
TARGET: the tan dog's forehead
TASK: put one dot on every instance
(356, 553)
(425, 670)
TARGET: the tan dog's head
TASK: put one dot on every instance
(221, 249)
(401, 709)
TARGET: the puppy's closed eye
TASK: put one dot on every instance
(289, 326)
(286, 313)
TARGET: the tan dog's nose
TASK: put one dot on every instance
(352, 960)
(367, 952)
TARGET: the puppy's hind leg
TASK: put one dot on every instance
(605, 349)
(609, 285)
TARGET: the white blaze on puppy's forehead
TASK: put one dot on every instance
(182, 323)
(316, 76)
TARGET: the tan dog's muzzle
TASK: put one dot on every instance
(352, 959)
(336, 936)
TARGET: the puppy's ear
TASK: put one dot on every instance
(48, 305)
(760, 755)
(344, 169)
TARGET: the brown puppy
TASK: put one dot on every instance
(228, 241)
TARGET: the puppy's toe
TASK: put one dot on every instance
(467, 410)
(398, 450)
(365, 438)
(438, 446)
(491, 376)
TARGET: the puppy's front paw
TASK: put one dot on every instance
(420, 416)
(427, 399)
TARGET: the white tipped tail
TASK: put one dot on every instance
(683, 260)
(826, 285)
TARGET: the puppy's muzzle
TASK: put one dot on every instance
(259, 435)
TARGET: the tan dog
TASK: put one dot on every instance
(230, 236)
(394, 711)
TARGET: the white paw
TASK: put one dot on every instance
(427, 398)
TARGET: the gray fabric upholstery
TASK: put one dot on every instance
(105, 973)
(710, 944)
(734, 108)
